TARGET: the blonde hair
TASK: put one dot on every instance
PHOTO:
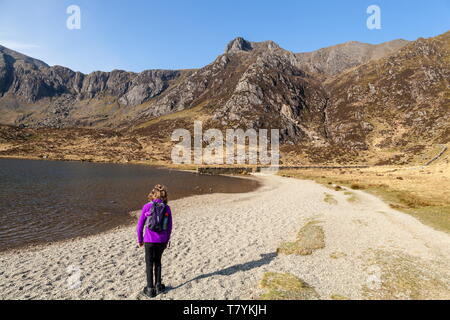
(159, 192)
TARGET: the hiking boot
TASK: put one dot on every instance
(149, 292)
(160, 288)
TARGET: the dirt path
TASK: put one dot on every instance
(223, 244)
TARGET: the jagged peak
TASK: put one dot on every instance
(238, 44)
(20, 56)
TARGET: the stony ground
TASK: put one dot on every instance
(223, 245)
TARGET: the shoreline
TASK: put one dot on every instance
(154, 165)
(128, 214)
(195, 266)
(133, 214)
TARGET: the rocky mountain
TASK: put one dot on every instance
(252, 85)
(333, 60)
(354, 96)
(401, 101)
(32, 80)
(33, 93)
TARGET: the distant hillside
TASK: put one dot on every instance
(344, 101)
(35, 94)
(399, 102)
(336, 59)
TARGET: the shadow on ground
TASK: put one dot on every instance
(266, 258)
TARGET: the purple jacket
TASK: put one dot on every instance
(150, 236)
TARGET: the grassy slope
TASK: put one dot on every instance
(421, 192)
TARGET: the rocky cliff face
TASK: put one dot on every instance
(400, 101)
(32, 80)
(354, 96)
(31, 92)
(271, 91)
(334, 60)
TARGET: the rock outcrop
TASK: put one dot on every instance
(334, 60)
(32, 80)
(354, 96)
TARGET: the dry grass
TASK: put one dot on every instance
(422, 193)
(310, 238)
(330, 199)
(338, 297)
(337, 255)
(286, 286)
(352, 197)
(183, 114)
(401, 276)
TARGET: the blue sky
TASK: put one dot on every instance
(136, 35)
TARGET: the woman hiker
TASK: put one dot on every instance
(153, 232)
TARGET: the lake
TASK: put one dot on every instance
(45, 201)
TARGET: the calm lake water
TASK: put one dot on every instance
(45, 201)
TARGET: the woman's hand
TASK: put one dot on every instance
(140, 245)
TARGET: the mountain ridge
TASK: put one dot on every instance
(37, 82)
(335, 101)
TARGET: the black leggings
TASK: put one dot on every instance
(153, 254)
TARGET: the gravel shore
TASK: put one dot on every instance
(222, 245)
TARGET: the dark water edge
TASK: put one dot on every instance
(45, 201)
